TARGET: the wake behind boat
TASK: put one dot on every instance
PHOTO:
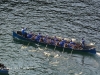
(55, 42)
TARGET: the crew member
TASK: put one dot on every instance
(83, 42)
(38, 37)
(24, 32)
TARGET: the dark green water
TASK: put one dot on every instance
(63, 18)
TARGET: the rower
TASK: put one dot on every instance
(38, 37)
(83, 43)
(55, 38)
(29, 35)
(71, 44)
(62, 43)
(45, 38)
(52, 42)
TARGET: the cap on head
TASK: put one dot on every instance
(82, 38)
(39, 33)
(30, 31)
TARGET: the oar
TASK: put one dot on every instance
(28, 44)
(46, 46)
(63, 50)
(28, 27)
(23, 46)
(55, 48)
(71, 52)
(37, 45)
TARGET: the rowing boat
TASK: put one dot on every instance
(91, 50)
(3, 70)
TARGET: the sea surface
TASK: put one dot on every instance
(62, 18)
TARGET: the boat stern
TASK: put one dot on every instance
(93, 51)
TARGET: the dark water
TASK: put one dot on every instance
(63, 18)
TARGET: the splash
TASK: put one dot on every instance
(47, 54)
(98, 54)
(23, 47)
